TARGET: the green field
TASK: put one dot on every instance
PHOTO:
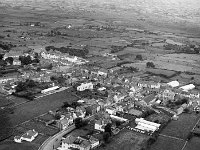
(165, 143)
(181, 127)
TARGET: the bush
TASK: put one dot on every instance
(150, 65)
(139, 57)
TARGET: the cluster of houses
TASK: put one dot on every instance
(63, 58)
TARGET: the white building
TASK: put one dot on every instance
(118, 118)
(188, 87)
(145, 125)
(85, 86)
(50, 89)
(29, 136)
(173, 84)
(111, 111)
(100, 125)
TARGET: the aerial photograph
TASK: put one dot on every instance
(99, 74)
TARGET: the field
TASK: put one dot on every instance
(165, 143)
(38, 107)
(193, 144)
(10, 145)
(181, 127)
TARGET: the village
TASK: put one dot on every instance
(99, 75)
(109, 101)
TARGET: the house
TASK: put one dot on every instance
(62, 124)
(102, 72)
(119, 97)
(135, 112)
(94, 142)
(16, 62)
(168, 94)
(85, 86)
(181, 109)
(100, 125)
(29, 136)
(111, 110)
(65, 121)
(92, 109)
(149, 98)
(80, 112)
(71, 142)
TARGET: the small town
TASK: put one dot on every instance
(99, 75)
(106, 103)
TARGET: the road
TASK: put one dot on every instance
(54, 141)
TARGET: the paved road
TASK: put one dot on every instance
(40, 106)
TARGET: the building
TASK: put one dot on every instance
(148, 84)
(65, 121)
(16, 62)
(71, 142)
(29, 136)
(85, 86)
(145, 125)
(50, 89)
(111, 110)
(188, 87)
(135, 112)
(100, 125)
(118, 118)
(173, 84)
(94, 142)
(93, 109)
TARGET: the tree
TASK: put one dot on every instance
(3, 63)
(66, 104)
(197, 50)
(106, 136)
(139, 57)
(9, 60)
(1, 56)
(25, 60)
(57, 116)
(75, 104)
(150, 65)
(108, 128)
(78, 122)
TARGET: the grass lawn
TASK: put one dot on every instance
(181, 127)
(46, 117)
(40, 127)
(165, 143)
(5, 102)
(10, 145)
(17, 100)
(193, 144)
(40, 139)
